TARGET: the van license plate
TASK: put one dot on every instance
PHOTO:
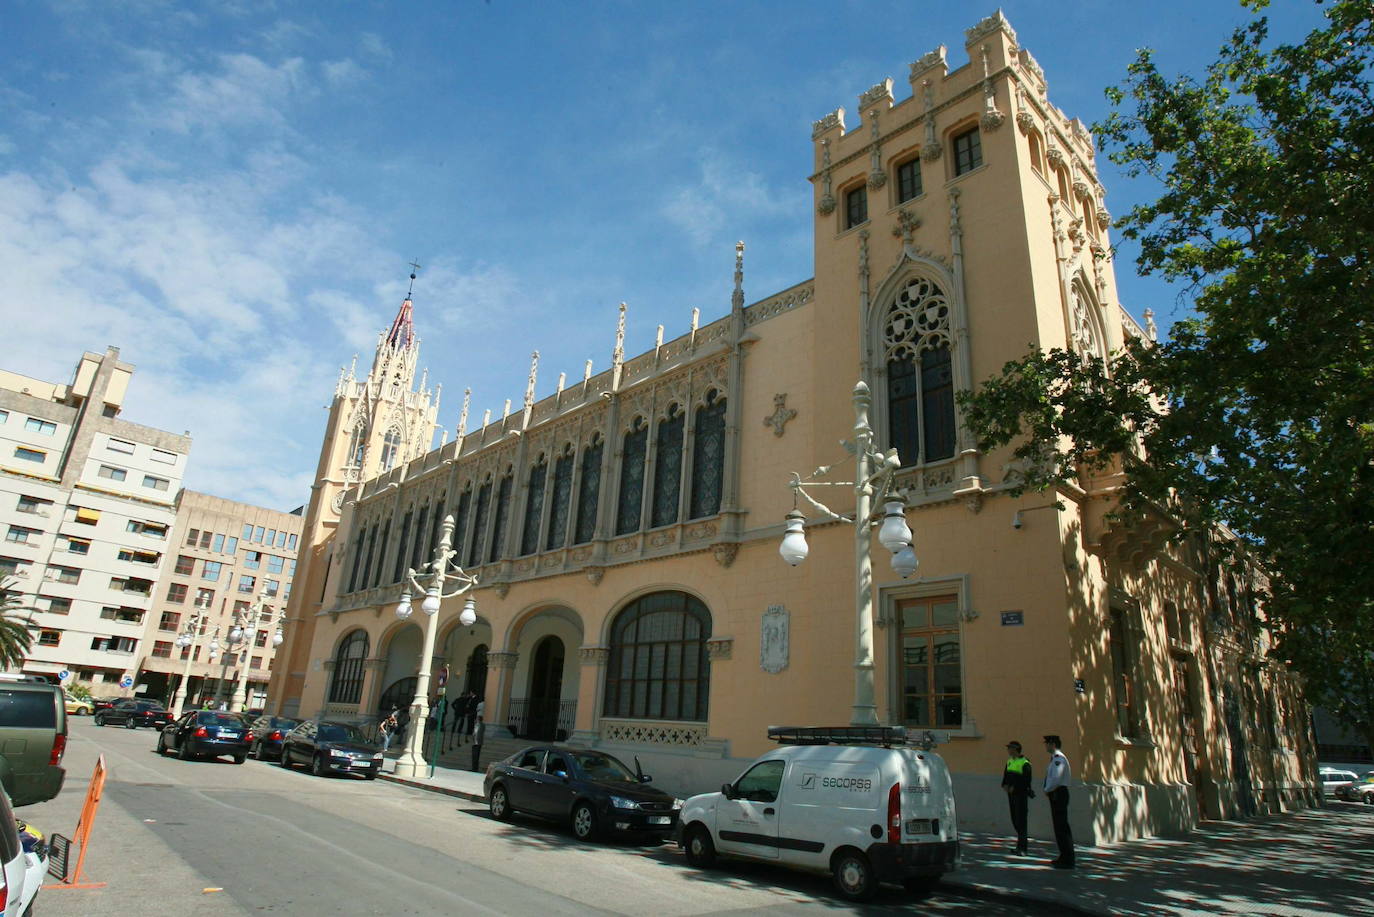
(660, 820)
(918, 826)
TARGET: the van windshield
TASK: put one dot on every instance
(30, 709)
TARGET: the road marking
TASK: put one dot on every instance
(206, 891)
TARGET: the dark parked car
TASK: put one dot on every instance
(104, 703)
(206, 734)
(134, 713)
(332, 748)
(270, 731)
(590, 790)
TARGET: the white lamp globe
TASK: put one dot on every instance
(183, 641)
(794, 547)
(904, 562)
(277, 638)
(468, 616)
(894, 532)
(214, 644)
(403, 609)
(430, 605)
(235, 634)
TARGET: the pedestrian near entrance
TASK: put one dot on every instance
(1057, 776)
(388, 729)
(479, 731)
(1016, 780)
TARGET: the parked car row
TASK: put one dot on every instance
(1348, 785)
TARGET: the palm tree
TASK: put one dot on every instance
(15, 634)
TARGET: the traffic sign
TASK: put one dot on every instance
(63, 675)
(126, 681)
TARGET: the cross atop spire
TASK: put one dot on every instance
(402, 333)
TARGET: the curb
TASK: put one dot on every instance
(432, 788)
(971, 889)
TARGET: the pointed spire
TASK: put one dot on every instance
(737, 298)
(529, 383)
(463, 417)
(402, 333)
(618, 354)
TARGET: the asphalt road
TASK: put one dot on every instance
(210, 838)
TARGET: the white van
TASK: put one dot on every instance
(859, 802)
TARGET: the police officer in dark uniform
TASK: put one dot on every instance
(1016, 780)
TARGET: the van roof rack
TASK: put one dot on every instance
(838, 735)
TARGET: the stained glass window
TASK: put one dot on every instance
(920, 382)
(479, 530)
(357, 446)
(562, 497)
(631, 500)
(498, 531)
(658, 668)
(534, 506)
(391, 447)
(668, 468)
(708, 457)
(589, 495)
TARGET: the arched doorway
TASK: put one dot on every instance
(475, 672)
(546, 690)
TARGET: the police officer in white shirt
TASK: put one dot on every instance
(1057, 792)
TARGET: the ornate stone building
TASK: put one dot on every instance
(625, 529)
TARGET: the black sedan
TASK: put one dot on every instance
(206, 734)
(590, 790)
(332, 748)
(269, 733)
(134, 713)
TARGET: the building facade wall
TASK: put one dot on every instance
(1142, 654)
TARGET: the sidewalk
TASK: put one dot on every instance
(1315, 862)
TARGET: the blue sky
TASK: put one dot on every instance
(230, 192)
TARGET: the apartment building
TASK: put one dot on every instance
(87, 507)
(224, 581)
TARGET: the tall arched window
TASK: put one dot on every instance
(347, 685)
(668, 468)
(479, 529)
(391, 447)
(658, 667)
(560, 508)
(534, 506)
(460, 523)
(382, 547)
(708, 457)
(357, 445)
(920, 381)
(1087, 334)
(402, 548)
(417, 551)
(498, 532)
(631, 502)
(588, 496)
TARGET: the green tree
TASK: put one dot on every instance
(15, 634)
(1258, 411)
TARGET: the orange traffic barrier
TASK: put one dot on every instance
(59, 856)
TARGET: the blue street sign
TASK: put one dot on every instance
(126, 681)
(63, 675)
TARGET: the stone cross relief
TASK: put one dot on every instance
(780, 416)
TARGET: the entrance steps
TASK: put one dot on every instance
(495, 748)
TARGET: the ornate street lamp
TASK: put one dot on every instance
(187, 640)
(874, 481)
(441, 570)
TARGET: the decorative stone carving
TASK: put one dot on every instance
(955, 227)
(648, 732)
(1025, 120)
(930, 151)
(502, 660)
(699, 531)
(974, 502)
(595, 575)
(832, 120)
(774, 639)
(992, 118)
(826, 205)
(781, 414)
(967, 614)
(988, 26)
(876, 95)
(1150, 330)
(502, 589)
(336, 504)
(876, 176)
(625, 545)
(1081, 188)
(1052, 152)
(594, 655)
(718, 648)
(776, 305)
(659, 539)
(725, 553)
(907, 224)
(1104, 219)
(928, 61)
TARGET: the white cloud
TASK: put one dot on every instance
(344, 72)
(245, 91)
(723, 191)
(374, 46)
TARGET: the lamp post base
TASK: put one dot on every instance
(411, 766)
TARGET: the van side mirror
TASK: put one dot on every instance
(727, 790)
(645, 778)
